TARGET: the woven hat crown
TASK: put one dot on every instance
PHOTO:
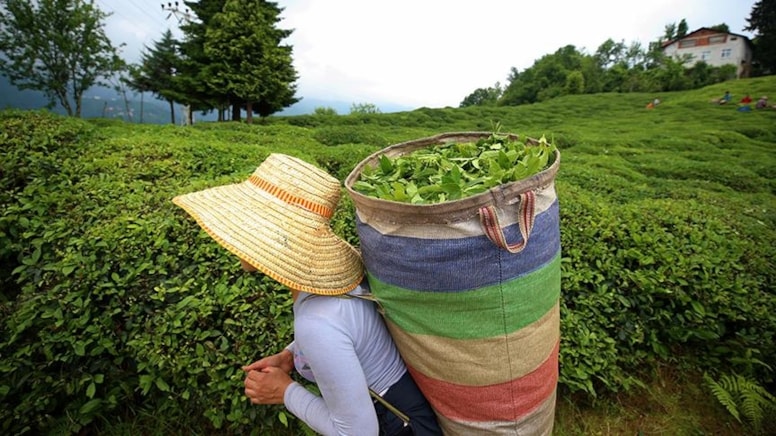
(278, 222)
(300, 180)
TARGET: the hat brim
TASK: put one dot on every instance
(288, 243)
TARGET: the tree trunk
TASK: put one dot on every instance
(172, 112)
(62, 96)
(126, 104)
(78, 103)
(249, 109)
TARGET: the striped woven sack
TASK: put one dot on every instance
(470, 291)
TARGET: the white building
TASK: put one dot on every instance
(713, 47)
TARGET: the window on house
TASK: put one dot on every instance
(687, 43)
(718, 39)
(706, 55)
(726, 52)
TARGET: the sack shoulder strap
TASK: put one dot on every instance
(365, 296)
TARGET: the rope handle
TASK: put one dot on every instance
(525, 219)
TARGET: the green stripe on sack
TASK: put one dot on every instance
(479, 313)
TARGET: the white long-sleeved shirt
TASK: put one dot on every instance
(343, 346)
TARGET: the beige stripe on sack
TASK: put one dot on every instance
(481, 362)
(545, 197)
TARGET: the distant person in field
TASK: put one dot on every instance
(725, 98)
(745, 105)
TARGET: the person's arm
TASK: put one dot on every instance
(283, 360)
(345, 407)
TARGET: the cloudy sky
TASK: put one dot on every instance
(434, 53)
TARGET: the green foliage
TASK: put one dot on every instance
(123, 303)
(364, 108)
(336, 135)
(56, 46)
(453, 171)
(743, 397)
(156, 71)
(761, 20)
(325, 111)
(614, 67)
(116, 307)
(247, 59)
(483, 96)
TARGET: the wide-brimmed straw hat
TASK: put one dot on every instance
(278, 221)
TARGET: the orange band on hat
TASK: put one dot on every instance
(324, 211)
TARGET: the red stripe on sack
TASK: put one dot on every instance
(500, 402)
(289, 198)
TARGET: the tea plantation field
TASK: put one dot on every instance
(119, 316)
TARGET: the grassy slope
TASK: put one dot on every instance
(614, 151)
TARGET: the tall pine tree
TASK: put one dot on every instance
(192, 77)
(157, 69)
(247, 57)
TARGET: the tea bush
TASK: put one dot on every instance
(122, 300)
(661, 279)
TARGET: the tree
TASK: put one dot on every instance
(483, 96)
(669, 34)
(193, 77)
(157, 69)
(682, 28)
(327, 111)
(58, 47)
(762, 20)
(575, 83)
(545, 79)
(364, 108)
(610, 53)
(521, 88)
(724, 28)
(247, 57)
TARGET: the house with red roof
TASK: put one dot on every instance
(714, 47)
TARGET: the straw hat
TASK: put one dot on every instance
(278, 221)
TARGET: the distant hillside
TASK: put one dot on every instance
(101, 102)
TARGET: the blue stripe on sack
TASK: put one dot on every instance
(457, 264)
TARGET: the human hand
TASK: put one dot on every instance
(267, 386)
(283, 360)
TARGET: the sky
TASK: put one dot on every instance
(433, 53)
